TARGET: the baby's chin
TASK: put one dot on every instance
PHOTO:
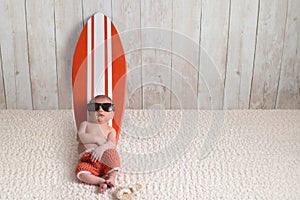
(100, 119)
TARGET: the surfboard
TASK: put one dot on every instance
(99, 67)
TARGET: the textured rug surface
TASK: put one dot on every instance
(173, 154)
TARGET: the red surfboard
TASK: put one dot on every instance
(99, 67)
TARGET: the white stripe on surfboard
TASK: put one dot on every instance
(109, 61)
(99, 81)
(89, 63)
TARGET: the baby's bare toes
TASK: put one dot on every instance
(103, 187)
(110, 183)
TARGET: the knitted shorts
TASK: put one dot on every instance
(109, 162)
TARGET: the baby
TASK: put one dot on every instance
(97, 143)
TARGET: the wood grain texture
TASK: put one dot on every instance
(185, 53)
(126, 15)
(231, 54)
(2, 89)
(91, 7)
(271, 26)
(241, 48)
(213, 51)
(68, 26)
(15, 55)
(156, 23)
(42, 53)
(289, 84)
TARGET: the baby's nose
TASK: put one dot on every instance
(100, 109)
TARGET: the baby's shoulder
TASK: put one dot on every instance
(111, 130)
(84, 123)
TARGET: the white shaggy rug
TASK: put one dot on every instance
(238, 154)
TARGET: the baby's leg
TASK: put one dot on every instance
(91, 179)
(94, 180)
(111, 160)
(112, 178)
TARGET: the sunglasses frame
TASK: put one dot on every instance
(96, 107)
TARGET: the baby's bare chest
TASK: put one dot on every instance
(96, 129)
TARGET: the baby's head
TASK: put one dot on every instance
(101, 109)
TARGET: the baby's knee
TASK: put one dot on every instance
(111, 158)
(111, 153)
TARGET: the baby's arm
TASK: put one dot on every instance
(88, 138)
(109, 144)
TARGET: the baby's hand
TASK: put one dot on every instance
(97, 154)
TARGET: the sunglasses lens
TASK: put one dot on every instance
(107, 107)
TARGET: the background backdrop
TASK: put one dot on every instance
(227, 54)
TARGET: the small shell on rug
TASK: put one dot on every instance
(127, 192)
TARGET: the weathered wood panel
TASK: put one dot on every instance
(270, 36)
(90, 7)
(156, 23)
(15, 55)
(7, 17)
(289, 85)
(2, 91)
(185, 53)
(42, 53)
(213, 51)
(241, 48)
(68, 26)
(126, 15)
(165, 42)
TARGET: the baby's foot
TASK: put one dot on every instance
(110, 182)
(103, 187)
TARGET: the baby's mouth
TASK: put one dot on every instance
(101, 115)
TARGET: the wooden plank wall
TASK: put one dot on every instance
(206, 54)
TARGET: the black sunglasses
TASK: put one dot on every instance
(107, 107)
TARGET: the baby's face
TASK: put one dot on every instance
(100, 116)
